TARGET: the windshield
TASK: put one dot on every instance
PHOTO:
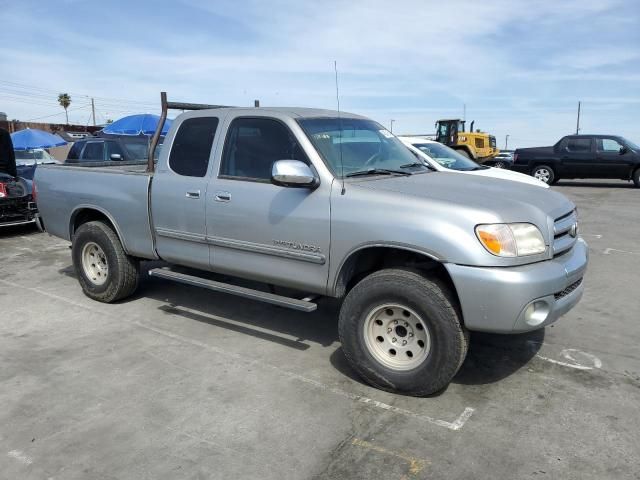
(447, 157)
(30, 157)
(631, 145)
(359, 146)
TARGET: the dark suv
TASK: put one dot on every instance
(108, 149)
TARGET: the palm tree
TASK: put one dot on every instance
(65, 100)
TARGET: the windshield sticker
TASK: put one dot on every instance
(386, 133)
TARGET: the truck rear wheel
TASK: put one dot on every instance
(544, 173)
(105, 272)
(402, 332)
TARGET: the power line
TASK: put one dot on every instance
(33, 91)
(59, 113)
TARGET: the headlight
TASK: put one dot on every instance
(511, 239)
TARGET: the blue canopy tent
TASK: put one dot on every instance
(29, 139)
(143, 124)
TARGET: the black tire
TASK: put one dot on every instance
(122, 272)
(433, 302)
(499, 164)
(544, 173)
(636, 177)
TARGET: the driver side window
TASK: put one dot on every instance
(608, 145)
(254, 144)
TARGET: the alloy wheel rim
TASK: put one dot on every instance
(397, 337)
(542, 174)
(94, 263)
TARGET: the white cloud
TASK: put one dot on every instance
(413, 61)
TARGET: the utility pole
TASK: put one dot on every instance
(392, 120)
(464, 111)
(578, 123)
(506, 142)
(93, 111)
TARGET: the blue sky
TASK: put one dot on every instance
(519, 66)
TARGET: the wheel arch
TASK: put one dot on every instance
(91, 213)
(367, 259)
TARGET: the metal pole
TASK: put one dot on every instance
(464, 111)
(156, 135)
(506, 142)
(578, 122)
(392, 120)
(93, 112)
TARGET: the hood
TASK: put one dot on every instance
(504, 199)
(7, 155)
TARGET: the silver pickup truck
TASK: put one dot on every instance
(327, 204)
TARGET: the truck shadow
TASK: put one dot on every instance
(490, 358)
(19, 230)
(260, 320)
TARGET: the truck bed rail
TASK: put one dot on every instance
(166, 105)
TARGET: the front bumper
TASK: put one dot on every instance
(523, 298)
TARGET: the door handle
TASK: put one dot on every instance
(194, 194)
(222, 196)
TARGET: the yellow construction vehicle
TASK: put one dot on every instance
(479, 146)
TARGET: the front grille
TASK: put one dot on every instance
(564, 228)
(568, 290)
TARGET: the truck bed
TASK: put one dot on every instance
(118, 190)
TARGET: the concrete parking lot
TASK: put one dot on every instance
(182, 383)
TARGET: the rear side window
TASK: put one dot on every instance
(254, 144)
(579, 145)
(93, 152)
(192, 146)
(74, 153)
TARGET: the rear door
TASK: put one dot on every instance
(578, 158)
(610, 162)
(260, 230)
(179, 192)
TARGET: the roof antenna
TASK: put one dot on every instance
(335, 68)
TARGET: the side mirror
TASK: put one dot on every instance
(293, 173)
(115, 157)
(623, 150)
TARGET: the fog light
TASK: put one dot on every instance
(536, 313)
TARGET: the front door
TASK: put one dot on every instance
(611, 160)
(260, 230)
(179, 192)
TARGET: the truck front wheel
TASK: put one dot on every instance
(402, 332)
(105, 272)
